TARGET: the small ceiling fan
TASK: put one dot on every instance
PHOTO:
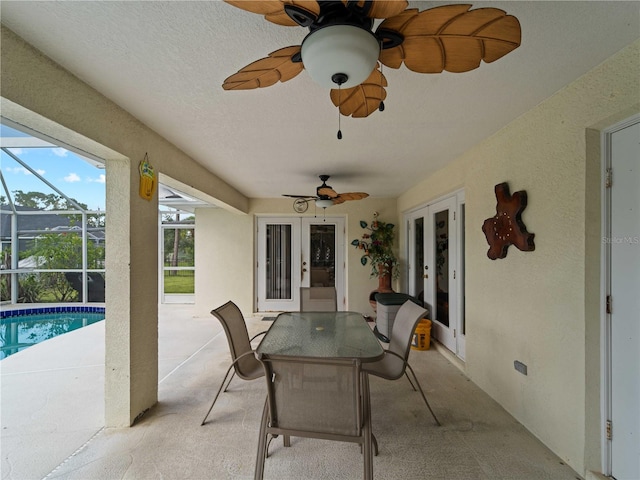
(343, 52)
(325, 197)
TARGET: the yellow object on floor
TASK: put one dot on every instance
(422, 336)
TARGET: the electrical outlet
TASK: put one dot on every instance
(521, 367)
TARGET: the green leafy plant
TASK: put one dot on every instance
(30, 289)
(377, 244)
(60, 251)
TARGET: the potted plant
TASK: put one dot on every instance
(377, 244)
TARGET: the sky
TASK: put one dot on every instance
(67, 171)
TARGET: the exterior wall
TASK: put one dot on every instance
(230, 251)
(542, 307)
(39, 94)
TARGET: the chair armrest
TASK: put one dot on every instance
(257, 335)
(389, 352)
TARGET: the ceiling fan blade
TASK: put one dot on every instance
(326, 191)
(299, 196)
(353, 196)
(451, 38)
(381, 8)
(278, 66)
(362, 100)
(273, 10)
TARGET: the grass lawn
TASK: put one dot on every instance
(179, 283)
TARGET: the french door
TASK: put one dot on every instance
(435, 236)
(296, 252)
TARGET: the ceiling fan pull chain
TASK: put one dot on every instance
(339, 102)
(381, 106)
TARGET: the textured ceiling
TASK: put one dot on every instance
(165, 62)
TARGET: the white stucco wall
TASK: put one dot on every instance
(532, 306)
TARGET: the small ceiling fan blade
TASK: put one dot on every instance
(353, 196)
(362, 100)
(451, 38)
(326, 191)
(273, 10)
(309, 197)
(278, 66)
(381, 8)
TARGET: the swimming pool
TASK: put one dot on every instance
(20, 329)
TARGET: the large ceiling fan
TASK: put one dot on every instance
(325, 197)
(343, 52)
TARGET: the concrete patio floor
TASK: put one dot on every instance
(52, 414)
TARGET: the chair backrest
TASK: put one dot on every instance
(332, 386)
(237, 334)
(407, 318)
(318, 299)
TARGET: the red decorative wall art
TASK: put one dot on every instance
(506, 227)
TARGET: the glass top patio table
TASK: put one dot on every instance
(322, 335)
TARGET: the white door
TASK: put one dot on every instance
(296, 252)
(623, 242)
(436, 267)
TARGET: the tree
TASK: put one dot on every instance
(60, 251)
(44, 201)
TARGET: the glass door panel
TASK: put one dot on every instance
(418, 258)
(416, 254)
(278, 271)
(322, 255)
(441, 243)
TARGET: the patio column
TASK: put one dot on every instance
(131, 363)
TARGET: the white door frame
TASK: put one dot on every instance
(300, 260)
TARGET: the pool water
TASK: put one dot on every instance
(20, 332)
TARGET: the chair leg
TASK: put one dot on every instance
(366, 431)
(217, 394)
(262, 443)
(412, 385)
(422, 393)
(374, 441)
(286, 441)
(233, 374)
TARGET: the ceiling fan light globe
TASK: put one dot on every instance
(324, 203)
(340, 49)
